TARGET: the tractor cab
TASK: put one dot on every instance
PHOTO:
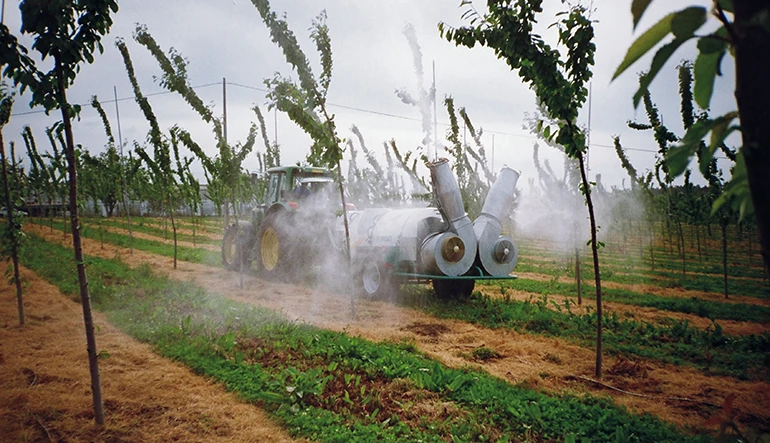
(295, 186)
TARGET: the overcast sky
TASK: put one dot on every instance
(372, 58)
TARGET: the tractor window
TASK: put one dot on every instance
(272, 190)
(285, 186)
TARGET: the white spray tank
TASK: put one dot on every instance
(497, 253)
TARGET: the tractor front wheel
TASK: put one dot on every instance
(234, 248)
(453, 288)
(272, 248)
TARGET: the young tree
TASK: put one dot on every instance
(69, 32)
(559, 83)
(227, 170)
(13, 235)
(305, 104)
(474, 186)
(747, 38)
(162, 174)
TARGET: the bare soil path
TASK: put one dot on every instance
(45, 385)
(548, 364)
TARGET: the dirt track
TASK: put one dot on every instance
(46, 393)
(544, 363)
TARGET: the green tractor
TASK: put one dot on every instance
(290, 229)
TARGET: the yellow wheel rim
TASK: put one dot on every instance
(270, 249)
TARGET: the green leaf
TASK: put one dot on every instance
(678, 157)
(736, 191)
(637, 9)
(726, 5)
(704, 73)
(645, 42)
(660, 59)
(720, 130)
(687, 21)
(716, 42)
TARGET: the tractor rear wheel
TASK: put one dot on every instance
(273, 247)
(458, 289)
(235, 248)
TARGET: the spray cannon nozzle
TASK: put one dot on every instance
(453, 249)
(496, 252)
(502, 250)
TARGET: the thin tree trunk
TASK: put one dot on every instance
(12, 231)
(85, 299)
(173, 227)
(597, 277)
(652, 249)
(347, 239)
(724, 253)
(681, 242)
(697, 237)
(577, 276)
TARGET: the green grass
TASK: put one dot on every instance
(184, 253)
(326, 385)
(140, 226)
(623, 273)
(703, 308)
(674, 342)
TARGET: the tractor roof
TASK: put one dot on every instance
(306, 171)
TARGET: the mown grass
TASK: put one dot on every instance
(710, 309)
(696, 280)
(184, 253)
(145, 228)
(675, 342)
(328, 386)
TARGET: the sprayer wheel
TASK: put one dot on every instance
(376, 281)
(453, 288)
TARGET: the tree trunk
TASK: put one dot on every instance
(697, 238)
(577, 276)
(347, 239)
(85, 299)
(752, 92)
(173, 227)
(597, 277)
(681, 242)
(12, 232)
(723, 224)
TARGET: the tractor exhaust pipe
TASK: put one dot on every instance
(497, 253)
(453, 251)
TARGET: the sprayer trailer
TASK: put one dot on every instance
(297, 228)
(390, 247)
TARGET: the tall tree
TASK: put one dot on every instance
(305, 103)
(227, 170)
(559, 83)
(744, 33)
(13, 236)
(69, 31)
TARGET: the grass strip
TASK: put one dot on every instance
(674, 341)
(710, 309)
(184, 253)
(326, 385)
(673, 279)
(150, 230)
